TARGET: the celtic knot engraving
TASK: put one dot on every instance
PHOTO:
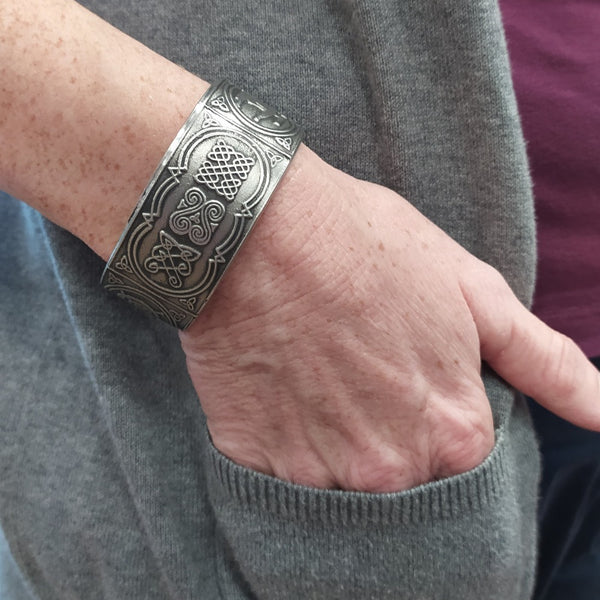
(274, 158)
(224, 170)
(196, 216)
(173, 258)
(201, 204)
(123, 264)
(221, 103)
(209, 121)
(285, 142)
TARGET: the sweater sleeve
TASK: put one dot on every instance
(471, 536)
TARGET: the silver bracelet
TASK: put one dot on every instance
(200, 204)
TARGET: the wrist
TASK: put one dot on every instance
(268, 265)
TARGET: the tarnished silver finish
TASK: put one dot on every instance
(201, 203)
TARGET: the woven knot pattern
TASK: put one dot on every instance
(224, 170)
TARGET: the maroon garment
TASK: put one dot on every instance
(555, 53)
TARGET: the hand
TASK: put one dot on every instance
(343, 348)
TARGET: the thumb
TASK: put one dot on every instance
(535, 359)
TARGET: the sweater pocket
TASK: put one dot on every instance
(467, 536)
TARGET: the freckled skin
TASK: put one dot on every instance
(119, 139)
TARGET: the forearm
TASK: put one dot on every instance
(86, 114)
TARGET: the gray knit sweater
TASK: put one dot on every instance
(109, 485)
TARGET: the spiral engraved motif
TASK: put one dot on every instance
(196, 216)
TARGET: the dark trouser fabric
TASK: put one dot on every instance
(569, 554)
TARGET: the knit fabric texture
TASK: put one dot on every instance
(109, 484)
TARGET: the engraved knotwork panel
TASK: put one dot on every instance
(196, 216)
(193, 215)
(201, 203)
(224, 170)
(173, 258)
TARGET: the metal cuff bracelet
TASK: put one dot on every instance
(201, 203)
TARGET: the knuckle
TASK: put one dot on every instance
(381, 471)
(464, 439)
(465, 452)
(489, 280)
(490, 298)
(493, 278)
(498, 295)
(560, 370)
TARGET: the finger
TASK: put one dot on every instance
(539, 361)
